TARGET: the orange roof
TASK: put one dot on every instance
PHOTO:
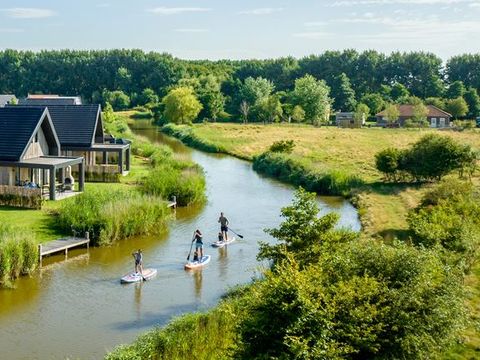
(407, 111)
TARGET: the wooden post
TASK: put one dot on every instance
(40, 255)
(120, 161)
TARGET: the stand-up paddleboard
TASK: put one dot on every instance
(220, 244)
(136, 277)
(198, 264)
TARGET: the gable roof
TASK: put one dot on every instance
(6, 99)
(76, 124)
(17, 127)
(407, 111)
(45, 100)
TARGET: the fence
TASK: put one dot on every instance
(17, 196)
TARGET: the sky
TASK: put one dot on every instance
(215, 29)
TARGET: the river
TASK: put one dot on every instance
(77, 308)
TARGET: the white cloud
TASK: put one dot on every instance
(28, 13)
(261, 11)
(399, 2)
(191, 30)
(177, 10)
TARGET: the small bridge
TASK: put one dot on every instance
(61, 245)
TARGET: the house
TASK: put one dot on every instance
(45, 100)
(347, 120)
(436, 117)
(7, 100)
(80, 132)
(30, 152)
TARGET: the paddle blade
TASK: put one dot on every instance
(240, 236)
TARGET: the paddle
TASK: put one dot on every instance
(191, 246)
(240, 236)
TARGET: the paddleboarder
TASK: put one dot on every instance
(223, 226)
(198, 243)
(138, 256)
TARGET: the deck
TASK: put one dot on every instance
(61, 245)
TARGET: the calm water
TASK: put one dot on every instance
(77, 308)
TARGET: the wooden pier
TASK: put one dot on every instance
(61, 245)
(173, 204)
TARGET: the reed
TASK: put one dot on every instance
(17, 196)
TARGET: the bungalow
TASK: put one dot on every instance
(7, 100)
(436, 117)
(45, 100)
(30, 152)
(80, 132)
(347, 120)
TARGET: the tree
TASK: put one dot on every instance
(362, 112)
(181, 105)
(313, 96)
(420, 113)
(473, 101)
(269, 109)
(374, 102)
(455, 90)
(342, 93)
(392, 113)
(399, 91)
(388, 162)
(254, 90)
(148, 96)
(244, 110)
(457, 107)
(298, 114)
(435, 101)
(118, 99)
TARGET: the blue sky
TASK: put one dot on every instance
(213, 29)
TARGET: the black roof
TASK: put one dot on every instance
(17, 125)
(49, 101)
(75, 124)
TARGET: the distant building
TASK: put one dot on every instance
(436, 117)
(7, 100)
(45, 100)
(347, 120)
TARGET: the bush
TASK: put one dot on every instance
(111, 215)
(18, 253)
(282, 146)
(388, 162)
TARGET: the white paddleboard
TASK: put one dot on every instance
(198, 264)
(220, 244)
(136, 277)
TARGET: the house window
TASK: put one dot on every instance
(442, 122)
(433, 122)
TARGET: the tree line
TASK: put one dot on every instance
(250, 90)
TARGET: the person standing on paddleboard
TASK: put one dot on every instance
(198, 243)
(223, 226)
(138, 256)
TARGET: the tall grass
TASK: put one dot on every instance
(187, 136)
(18, 254)
(285, 168)
(111, 215)
(205, 336)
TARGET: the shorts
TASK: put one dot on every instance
(198, 245)
(137, 263)
(224, 228)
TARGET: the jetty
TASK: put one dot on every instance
(62, 245)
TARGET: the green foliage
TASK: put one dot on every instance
(343, 95)
(18, 253)
(399, 91)
(254, 90)
(375, 102)
(298, 114)
(284, 168)
(269, 109)
(435, 101)
(111, 215)
(388, 162)
(362, 112)
(148, 97)
(473, 102)
(186, 135)
(392, 113)
(313, 96)
(181, 106)
(282, 146)
(457, 107)
(118, 99)
(455, 90)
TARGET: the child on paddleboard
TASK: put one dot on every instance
(138, 256)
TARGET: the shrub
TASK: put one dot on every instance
(388, 162)
(282, 146)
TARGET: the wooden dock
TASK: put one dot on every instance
(61, 245)
(173, 204)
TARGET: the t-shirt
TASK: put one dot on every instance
(223, 221)
(198, 238)
(138, 257)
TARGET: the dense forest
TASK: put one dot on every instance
(229, 88)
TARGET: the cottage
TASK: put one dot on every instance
(45, 100)
(347, 120)
(436, 117)
(30, 152)
(80, 132)
(7, 100)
